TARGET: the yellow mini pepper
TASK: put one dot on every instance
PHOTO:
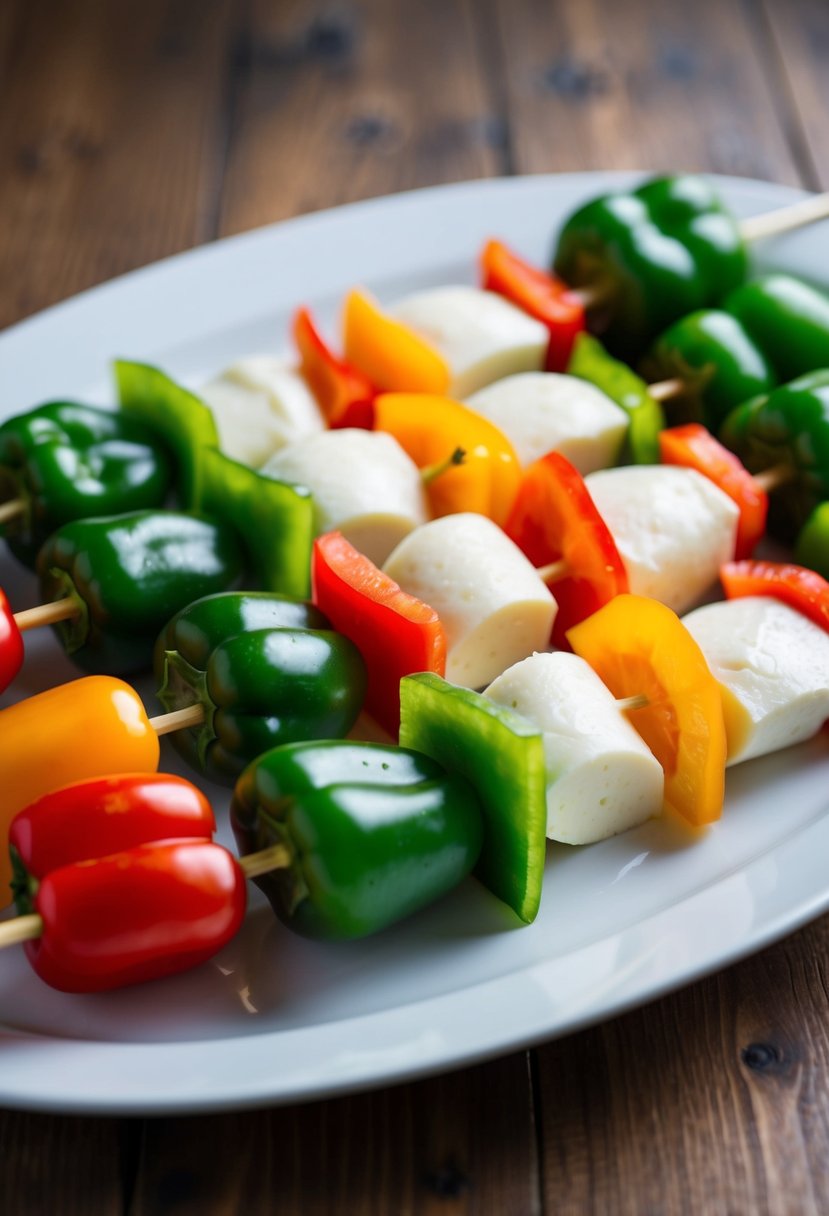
(392, 356)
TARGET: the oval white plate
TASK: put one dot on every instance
(276, 1018)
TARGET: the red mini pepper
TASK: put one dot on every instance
(343, 393)
(396, 633)
(554, 520)
(543, 296)
(11, 644)
(694, 447)
(796, 586)
(126, 881)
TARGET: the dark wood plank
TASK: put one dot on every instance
(714, 1100)
(332, 104)
(640, 85)
(460, 1143)
(55, 1166)
(800, 35)
(110, 149)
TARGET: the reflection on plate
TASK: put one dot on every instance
(276, 1018)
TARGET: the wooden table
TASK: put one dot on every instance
(133, 129)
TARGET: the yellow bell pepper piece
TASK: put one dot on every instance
(392, 356)
(637, 646)
(88, 728)
(430, 429)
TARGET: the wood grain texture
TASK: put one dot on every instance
(336, 103)
(711, 1101)
(640, 85)
(800, 35)
(109, 149)
(53, 1166)
(460, 1143)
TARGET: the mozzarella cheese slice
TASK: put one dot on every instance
(479, 334)
(542, 412)
(673, 528)
(601, 778)
(772, 664)
(260, 404)
(363, 484)
(492, 604)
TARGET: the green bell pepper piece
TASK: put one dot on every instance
(789, 321)
(719, 364)
(502, 755)
(266, 670)
(590, 361)
(177, 416)
(128, 574)
(65, 461)
(274, 520)
(651, 256)
(374, 833)
(812, 545)
(789, 427)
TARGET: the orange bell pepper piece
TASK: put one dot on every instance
(430, 429)
(391, 355)
(638, 647)
(92, 727)
(696, 448)
(343, 393)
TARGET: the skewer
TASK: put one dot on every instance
(47, 614)
(11, 509)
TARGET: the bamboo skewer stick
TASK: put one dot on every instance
(178, 719)
(47, 614)
(11, 509)
(785, 219)
(777, 475)
(663, 390)
(21, 929)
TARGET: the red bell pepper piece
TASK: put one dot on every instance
(796, 586)
(105, 815)
(344, 394)
(555, 520)
(395, 633)
(11, 644)
(541, 295)
(126, 881)
(694, 447)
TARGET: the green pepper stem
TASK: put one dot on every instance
(11, 509)
(276, 857)
(21, 929)
(663, 390)
(771, 479)
(432, 471)
(64, 609)
(784, 219)
(178, 719)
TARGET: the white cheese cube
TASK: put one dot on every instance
(492, 604)
(542, 412)
(363, 484)
(601, 778)
(772, 664)
(481, 336)
(673, 528)
(260, 404)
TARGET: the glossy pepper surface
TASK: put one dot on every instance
(11, 644)
(387, 352)
(265, 670)
(128, 574)
(539, 294)
(178, 417)
(501, 754)
(788, 427)
(812, 544)
(590, 361)
(274, 521)
(65, 461)
(138, 914)
(718, 362)
(788, 319)
(651, 255)
(374, 833)
(343, 393)
(395, 633)
(87, 728)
